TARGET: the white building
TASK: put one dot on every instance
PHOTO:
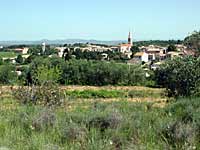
(155, 52)
(22, 50)
(142, 56)
(60, 50)
(126, 48)
(43, 47)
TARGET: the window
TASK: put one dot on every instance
(150, 57)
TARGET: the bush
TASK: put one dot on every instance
(111, 120)
(45, 74)
(43, 120)
(47, 94)
(22, 119)
(180, 134)
(7, 74)
(180, 76)
(87, 72)
(183, 131)
(82, 72)
(73, 133)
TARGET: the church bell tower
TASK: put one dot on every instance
(130, 39)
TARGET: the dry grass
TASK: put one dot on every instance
(77, 87)
(86, 103)
(6, 93)
(137, 88)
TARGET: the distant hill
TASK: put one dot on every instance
(60, 42)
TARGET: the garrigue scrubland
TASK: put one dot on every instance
(45, 115)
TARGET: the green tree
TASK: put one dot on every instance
(134, 49)
(84, 72)
(45, 74)
(1, 61)
(193, 41)
(35, 50)
(67, 54)
(19, 59)
(29, 59)
(180, 76)
(50, 51)
(171, 48)
(7, 74)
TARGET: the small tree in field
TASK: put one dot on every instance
(45, 92)
(45, 74)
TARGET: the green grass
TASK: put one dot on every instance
(7, 54)
(16, 130)
(96, 93)
(100, 126)
(113, 94)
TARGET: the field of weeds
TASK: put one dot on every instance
(95, 120)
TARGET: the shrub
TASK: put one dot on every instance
(184, 131)
(117, 142)
(111, 120)
(22, 119)
(7, 74)
(19, 59)
(45, 74)
(180, 76)
(180, 134)
(82, 72)
(47, 94)
(73, 133)
(43, 120)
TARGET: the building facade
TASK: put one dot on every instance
(126, 48)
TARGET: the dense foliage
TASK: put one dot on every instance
(193, 41)
(7, 74)
(171, 48)
(158, 42)
(180, 76)
(83, 72)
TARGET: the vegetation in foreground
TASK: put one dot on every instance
(41, 116)
(84, 124)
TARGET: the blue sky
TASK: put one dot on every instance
(98, 19)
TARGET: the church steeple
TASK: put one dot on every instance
(130, 38)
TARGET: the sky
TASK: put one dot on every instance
(98, 19)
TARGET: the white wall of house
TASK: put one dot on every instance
(60, 50)
(151, 57)
(25, 50)
(124, 49)
(145, 57)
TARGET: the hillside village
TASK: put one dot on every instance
(148, 54)
(99, 75)
(71, 95)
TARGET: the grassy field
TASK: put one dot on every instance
(7, 54)
(91, 118)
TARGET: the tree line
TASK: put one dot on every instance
(87, 72)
